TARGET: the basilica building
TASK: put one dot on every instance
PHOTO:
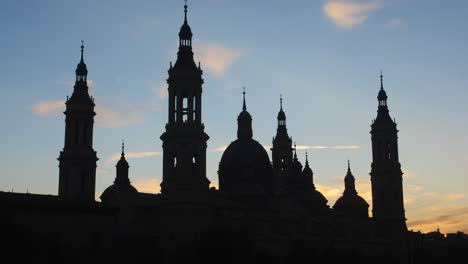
(267, 207)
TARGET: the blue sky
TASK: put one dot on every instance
(324, 56)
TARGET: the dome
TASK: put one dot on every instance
(352, 204)
(245, 167)
(111, 192)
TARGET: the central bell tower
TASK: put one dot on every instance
(184, 141)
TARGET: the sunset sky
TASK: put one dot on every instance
(323, 56)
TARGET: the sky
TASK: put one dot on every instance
(323, 56)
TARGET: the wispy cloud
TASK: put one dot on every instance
(347, 14)
(135, 155)
(113, 115)
(147, 185)
(396, 22)
(298, 147)
(304, 147)
(49, 108)
(216, 57)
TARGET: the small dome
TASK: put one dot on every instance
(382, 95)
(281, 115)
(81, 69)
(185, 31)
(122, 163)
(244, 115)
(245, 163)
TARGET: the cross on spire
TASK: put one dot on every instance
(82, 49)
(381, 80)
(244, 107)
(281, 101)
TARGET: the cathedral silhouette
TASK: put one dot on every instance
(263, 210)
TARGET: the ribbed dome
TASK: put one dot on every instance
(245, 163)
(351, 201)
(111, 192)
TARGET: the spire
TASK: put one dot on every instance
(349, 182)
(185, 11)
(381, 81)
(244, 107)
(185, 34)
(307, 160)
(122, 162)
(281, 114)
(81, 70)
(82, 50)
(382, 97)
(244, 122)
(281, 102)
(123, 147)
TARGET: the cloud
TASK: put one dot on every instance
(298, 147)
(303, 147)
(216, 57)
(392, 23)
(119, 116)
(220, 148)
(347, 14)
(329, 191)
(449, 221)
(49, 108)
(136, 155)
(147, 185)
(160, 90)
(455, 196)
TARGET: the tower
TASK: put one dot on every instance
(77, 161)
(386, 175)
(184, 141)
(281, 151)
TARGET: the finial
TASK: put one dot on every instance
(82, 49)
(307, 159)
(123, 148)
(381, 80)
(349, 167)
(185, 11)
(244, 107)
(281, 101)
